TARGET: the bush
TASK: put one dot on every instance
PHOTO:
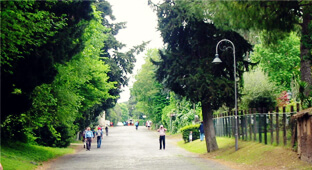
(186, 132)
(258, 91)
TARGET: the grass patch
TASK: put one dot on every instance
(250, 154)
(22, 156)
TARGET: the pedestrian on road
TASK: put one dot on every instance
(94, 132)
(149, 125)
(201, 131)
(162, 134)
(88, 136)
(106, 130)
(99, 135)
(83, 138)
(136, 125)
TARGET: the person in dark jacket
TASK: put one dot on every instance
(201, 131)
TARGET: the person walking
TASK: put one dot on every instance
(106, 130)
(162, 134)
(149, 125)
(94, 132)
(88, 137)
(83, 138)
(201, 131)
(99, 135)
(136, 125)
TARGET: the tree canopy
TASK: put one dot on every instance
(57, 74)
(186, 63)
(147, 91)
(276, 19)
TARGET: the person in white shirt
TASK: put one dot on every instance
(149, 125)
(162, 134)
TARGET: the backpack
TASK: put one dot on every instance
(99, 133)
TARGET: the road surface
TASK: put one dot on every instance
(127, 148)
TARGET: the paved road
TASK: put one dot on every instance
(126, 148)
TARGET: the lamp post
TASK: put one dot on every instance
(217, 60)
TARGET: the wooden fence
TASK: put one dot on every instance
(266, 126)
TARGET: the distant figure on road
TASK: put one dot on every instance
(149, 125)
(106, 130)
(83, 138)
(162, 135)
(136, 125)
(99, 135)
(201, 131)
(94, 132)
(88, 136)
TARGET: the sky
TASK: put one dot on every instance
(141, 26)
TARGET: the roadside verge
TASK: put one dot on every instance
(251, 155)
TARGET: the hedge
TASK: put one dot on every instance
(186, 132)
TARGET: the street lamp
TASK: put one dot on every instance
(217, 60)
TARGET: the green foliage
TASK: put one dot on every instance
(147, 91)
(119, 113)
(182, 113)
(36, 35)
(186, 64)
(186, 132)
(281, 61)
(121, 62)
(80, 84)
(258, 91)
(275, 19)
(23, 26)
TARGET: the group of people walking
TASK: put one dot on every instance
(88, 135)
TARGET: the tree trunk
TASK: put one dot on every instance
(305, 54)
(210, 137)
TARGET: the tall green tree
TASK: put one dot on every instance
(186, 63)
(147, 91)
(121, 63)
(35, 36)
(81, 83)
(275, 19)
(281, 61)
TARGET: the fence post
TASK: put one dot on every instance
(242, 120)
(250, 125)
(246, 124)
(265, 127)
(255, 122)
(271, 124)
(284, 126)
(238, 124)
(233, 123)
(293, 127)
(260, 124)
(229, 123)
(225, 122)
(222, 120)
(277, 126)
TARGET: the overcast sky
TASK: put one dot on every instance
(141, 26)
